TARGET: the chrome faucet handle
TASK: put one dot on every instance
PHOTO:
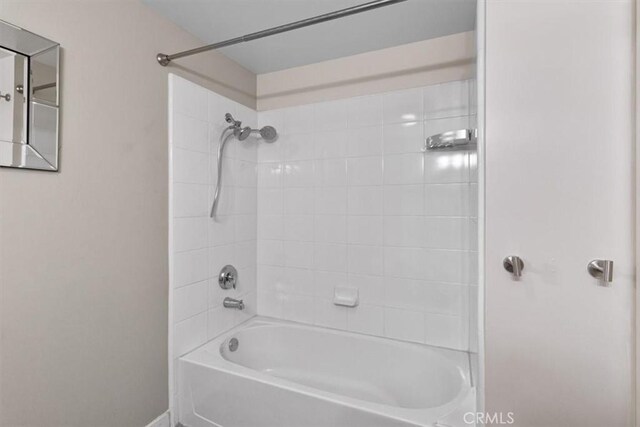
(228, 277)
(601, 269)
(514, 265)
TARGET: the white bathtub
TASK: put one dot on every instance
(285, 374)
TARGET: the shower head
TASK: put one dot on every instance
(243, 133)
(268, 133)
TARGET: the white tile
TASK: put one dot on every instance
(298, 228)
(271, 279)
(250, 308)
(330, 257)
(446, 100)
(190, 267)
(446, 233)
(331, 172)
(246, 174)
(365, 142)
(404, 262)
(473, 166)
(330, 115)
(220, 256)
(246, 201)
(364, 111)
(330, 201)
(365, 201)
(299, 173)
(405, 231)
(404, 200)
(330, 228)
(189, 133)
(218, 107)
(329, 315)
(189, 300)
(271, 252)
(402, 106)
(366, 319)
(298, 201)
(365, 170)
(190, 200)
(247, 278)
(370, 288)
(219, 320)
(444, 331)
(245, 254)
(328, 145)
(190, 166)
(298, 119)
(365, 230)
(403, 138)
(273, 118)
(270, 175)
(271, 152)
(298, 254)
(425, 296)
(189, 334)
(270, 201)
(298, 281)
(403, 168)
(270, 226)
(446, 167)
(299, 308)
(222, 230)
(269, 304)
(445, 265)
(247, 150)
(473, 200)
(365, 260)
(189, 234)
(189, 98)
(404, 324)
(446, 199)
(246, 228)
(325, 282)
(297, 146)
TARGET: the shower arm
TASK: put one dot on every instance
(224, 137)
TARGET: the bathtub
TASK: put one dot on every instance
(273, 373)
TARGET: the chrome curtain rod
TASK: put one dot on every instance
(164, 59)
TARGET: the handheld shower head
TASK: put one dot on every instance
(243, 133)
(268, 133)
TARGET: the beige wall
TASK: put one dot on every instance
(417, 64)
(83, 259)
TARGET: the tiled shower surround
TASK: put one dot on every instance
(347, 197)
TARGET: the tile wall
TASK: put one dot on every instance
(347, 197)
(201, 246)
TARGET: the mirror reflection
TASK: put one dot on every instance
(29, 99)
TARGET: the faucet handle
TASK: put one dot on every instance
(601, 269)
(514, 265)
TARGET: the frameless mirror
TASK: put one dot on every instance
(29, 99)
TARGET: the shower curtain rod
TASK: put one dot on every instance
(164, 59)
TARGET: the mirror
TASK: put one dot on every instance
(29, 99)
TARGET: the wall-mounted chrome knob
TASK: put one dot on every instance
(514, 265)
(601, 269)
(228, 277)
(6, 96)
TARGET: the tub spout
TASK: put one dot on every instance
(233, 303)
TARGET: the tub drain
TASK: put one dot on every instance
(233, 344)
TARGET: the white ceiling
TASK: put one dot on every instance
(217, 20)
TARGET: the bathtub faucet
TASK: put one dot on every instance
(233, 303)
